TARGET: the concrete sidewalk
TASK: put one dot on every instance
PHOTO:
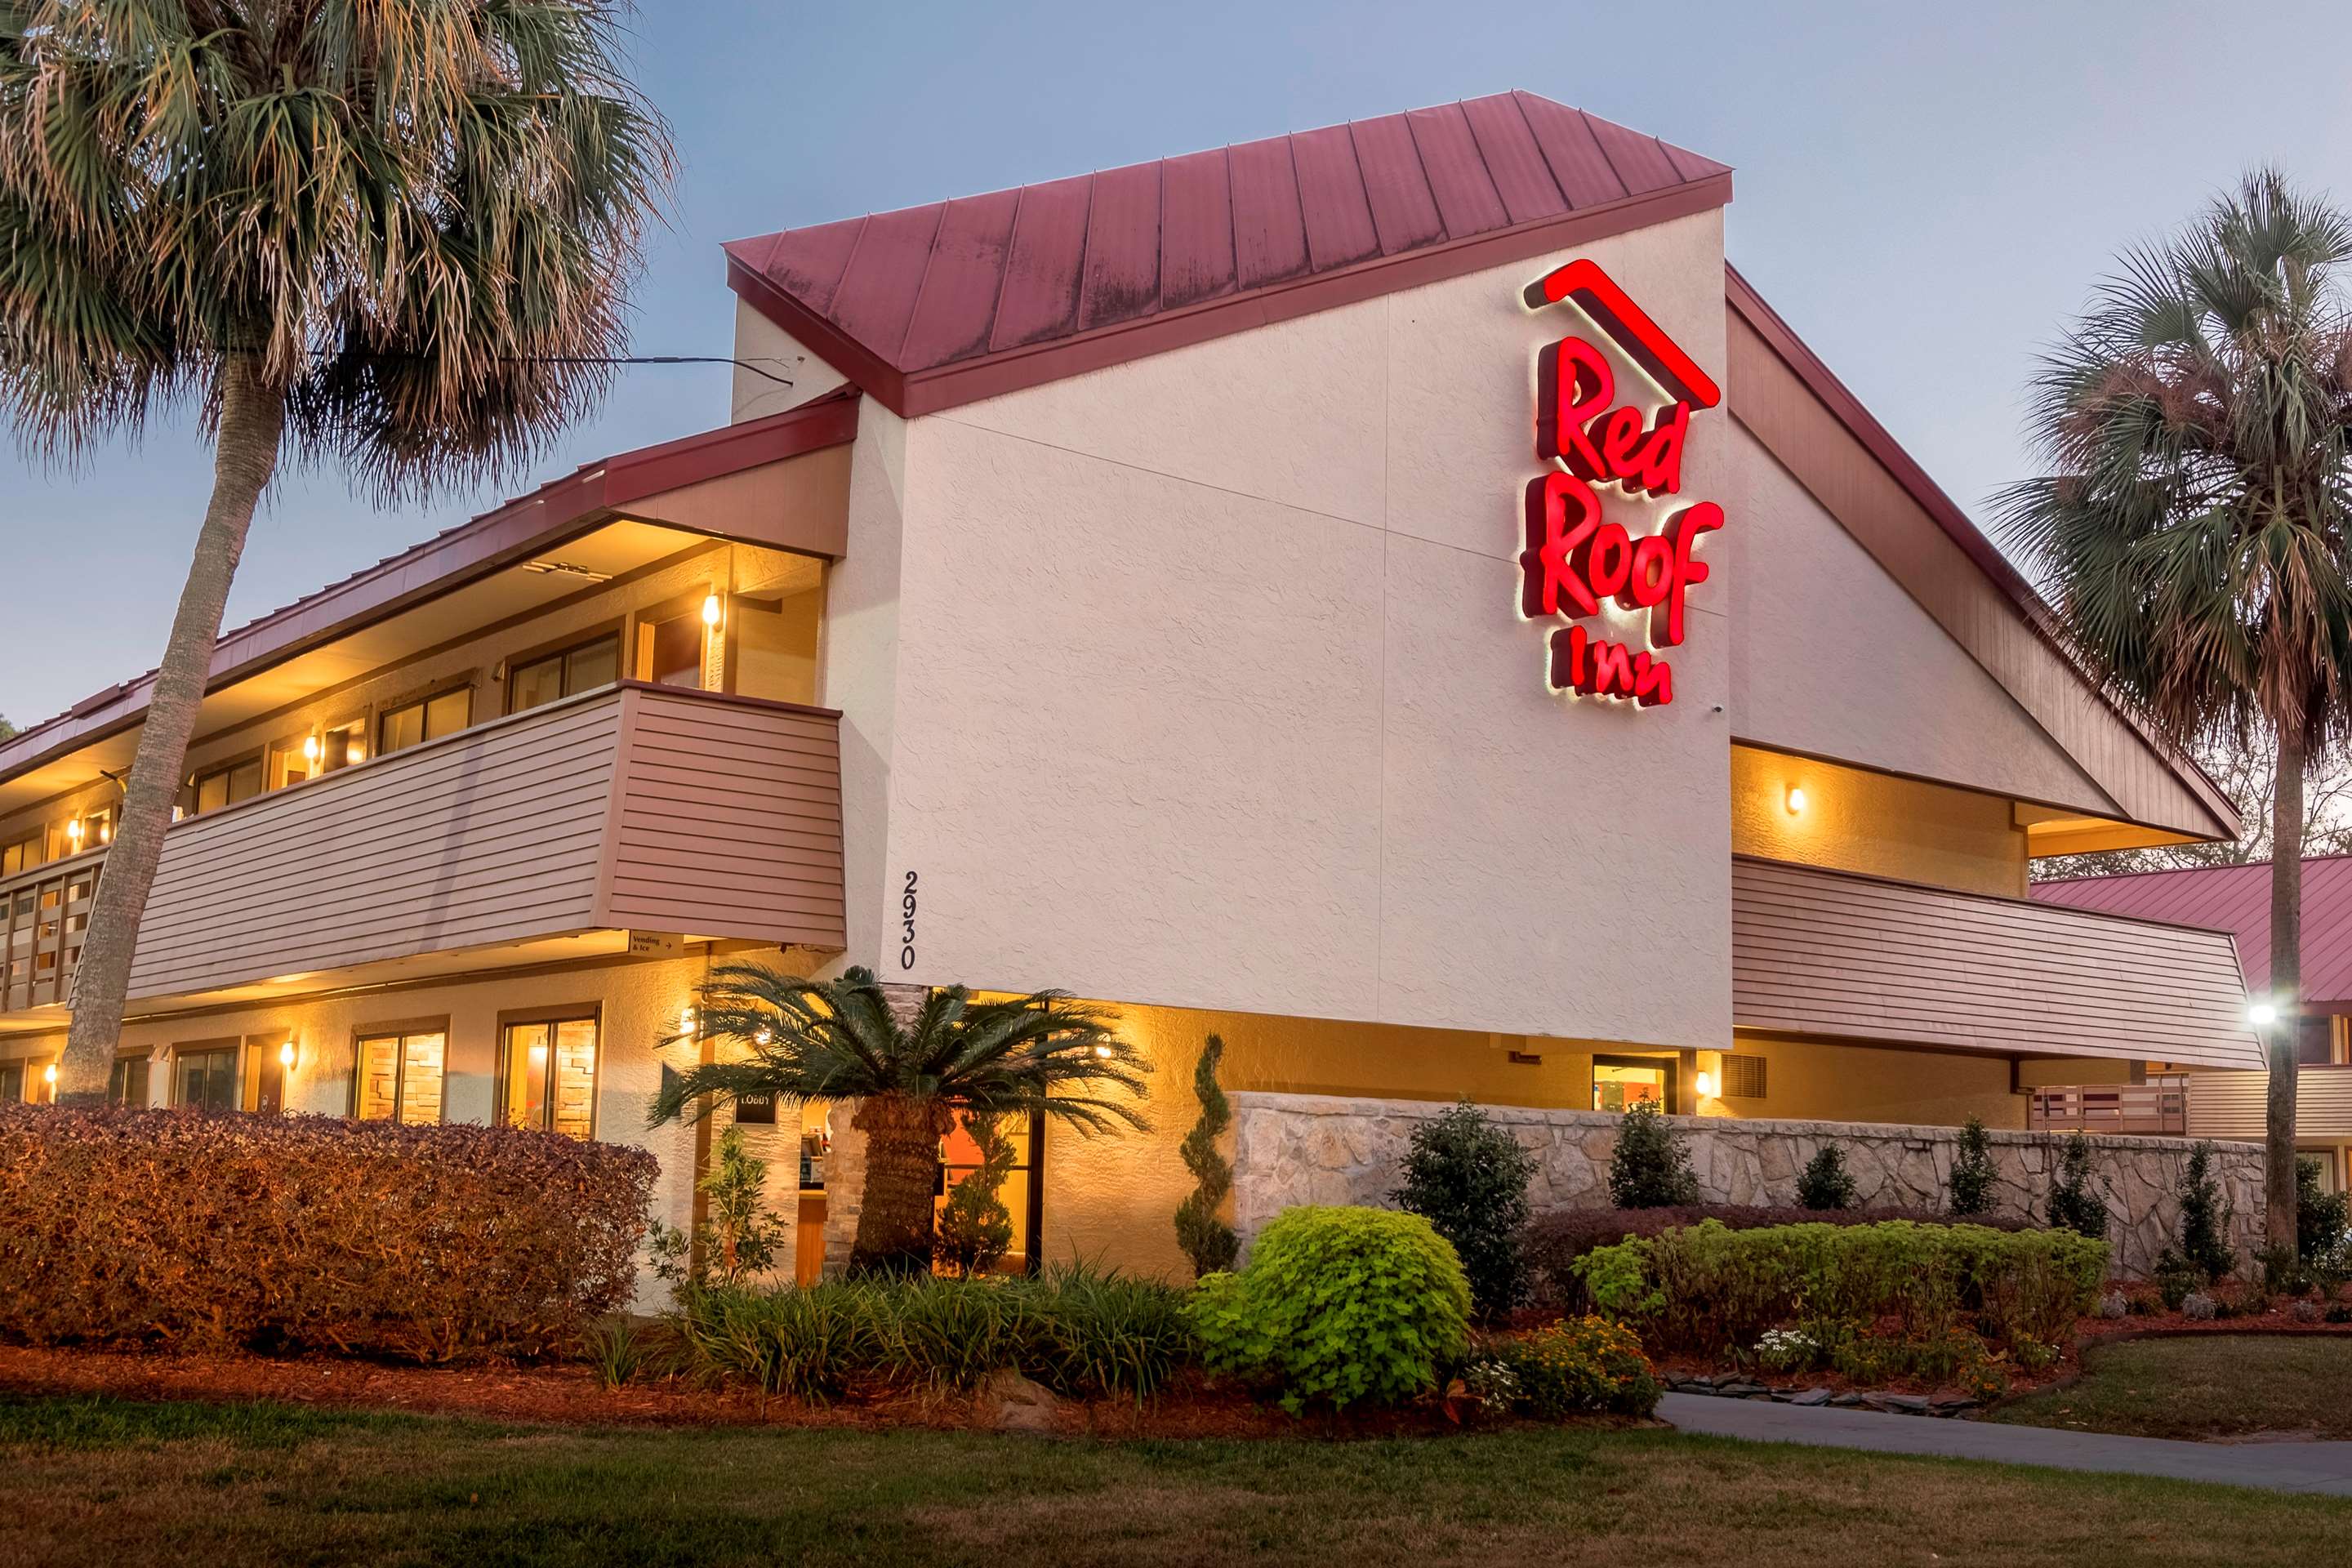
(2323, 1468)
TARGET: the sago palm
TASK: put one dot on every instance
(388, 234)
(840, 1040)
(2192, 527)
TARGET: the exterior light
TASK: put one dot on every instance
(354, 754)
(1706, 1086)
(74, 831)
(686, 1022)
(763, 1035)
(312, 750)
(712, 610)
(285, 1054)
(1103, 1051)
(2262, 1015)
(106, 831)
(49, 1074)
(1796, 801)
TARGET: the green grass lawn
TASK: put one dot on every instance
(119, 1484)
(2203, 1386)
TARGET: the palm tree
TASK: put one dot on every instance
(392, 234)
(841, 1039)
(2192, 526)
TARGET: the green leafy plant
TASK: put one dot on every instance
(740, 1236)
(2204, 1222)
(1337, 1306)
(1825, 1182)
(1469, 1179)
(1648, 1168)
(616, 1352)
(1973, 1174)
(1711, 1290)
(2320, 1217)
(1200, 1228)
(2074, 1202)
(975, 1228)
(1575, 1365)
(2175, 1278)
(800, 1040)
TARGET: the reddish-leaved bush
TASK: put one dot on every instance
(168, 1227)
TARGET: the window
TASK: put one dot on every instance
(227, 785)
(428, 719)
(566, 674)
(94, 831)
(1619, 1083)
(345, 745)
(547, 1074)
(960, 1158)
(22, 855)
(126, 1083)
(12, 1082)
(397, 1076)
(204, 1075)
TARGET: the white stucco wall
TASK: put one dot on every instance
(1831, 657)
(1211, 688)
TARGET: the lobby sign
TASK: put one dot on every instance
(1577, 558)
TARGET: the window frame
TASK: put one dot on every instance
(615, 630)
(234, 1047)
(574, 1013)
(422, 699)
(258, 757)
(124, 1058)
(401, 1029)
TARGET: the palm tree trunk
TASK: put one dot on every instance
(245, 454)
(2286, 990)
(902, 1172)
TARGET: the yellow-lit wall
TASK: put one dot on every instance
(1854, 820)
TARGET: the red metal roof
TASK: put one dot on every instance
(932, 306)
(2237, 898)
(512, 531)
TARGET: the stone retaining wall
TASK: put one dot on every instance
(1292, 1148)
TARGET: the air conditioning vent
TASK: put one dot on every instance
(1743, 1078)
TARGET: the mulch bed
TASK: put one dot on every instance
(556, 1395)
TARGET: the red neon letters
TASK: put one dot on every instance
(1576, 558)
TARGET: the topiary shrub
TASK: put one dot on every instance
(1201, 1228)
(167, 1227)
(1648, 1168)
(1972, 1177)
(1337, 1306)
(2204, 1223)
(974, 1226)
(1469, 1179)
(2073, 1204)
(1825, 1182)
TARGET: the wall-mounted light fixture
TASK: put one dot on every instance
(74, 832)
(712, 610)
(1706, 1086)
(686, 1021)
(1796, 801)
(313, 749)
(49, 1074)
(286, 1053)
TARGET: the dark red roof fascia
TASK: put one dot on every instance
(990, 375)
(515, 531)
(1863, 425)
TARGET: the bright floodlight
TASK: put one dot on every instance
(2262, 1015)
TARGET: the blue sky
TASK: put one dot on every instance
(1925, 191)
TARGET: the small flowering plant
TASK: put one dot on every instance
(1577, 1365)
(1787, 1350)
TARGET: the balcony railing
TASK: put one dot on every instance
(2159, 1106)
(42, 916)
(635, 808)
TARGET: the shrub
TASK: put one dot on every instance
(1972, 1177)
(974, 1226)
(1076, 1331)
(2175, 1278)
(1825, 1182)
(2073, 1204)
(1469, 1179)
(1201, 1228)
(122, 1227)
(2204, 1225)
(1577, 1364)
(742, 1234)
(1554, 1241)
(1338, 1306)
(1709, 1288)
(1650, 1168)
(2320, 1217)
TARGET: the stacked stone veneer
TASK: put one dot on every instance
(1292, 1149)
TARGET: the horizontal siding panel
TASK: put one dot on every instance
(2235, 1104)
(729, 823)
(1824, 953)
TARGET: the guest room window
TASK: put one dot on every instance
(591, 664)
(428, 719)
(398, 1075)
(547, 1074)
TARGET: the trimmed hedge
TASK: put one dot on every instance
(1710, 1288)
(168, 1227)
(1555, 1240)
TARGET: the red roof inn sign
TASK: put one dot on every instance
(1576, 557)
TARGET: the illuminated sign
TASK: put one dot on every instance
(1576, 558)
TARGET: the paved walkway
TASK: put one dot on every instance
(2320, 1467)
